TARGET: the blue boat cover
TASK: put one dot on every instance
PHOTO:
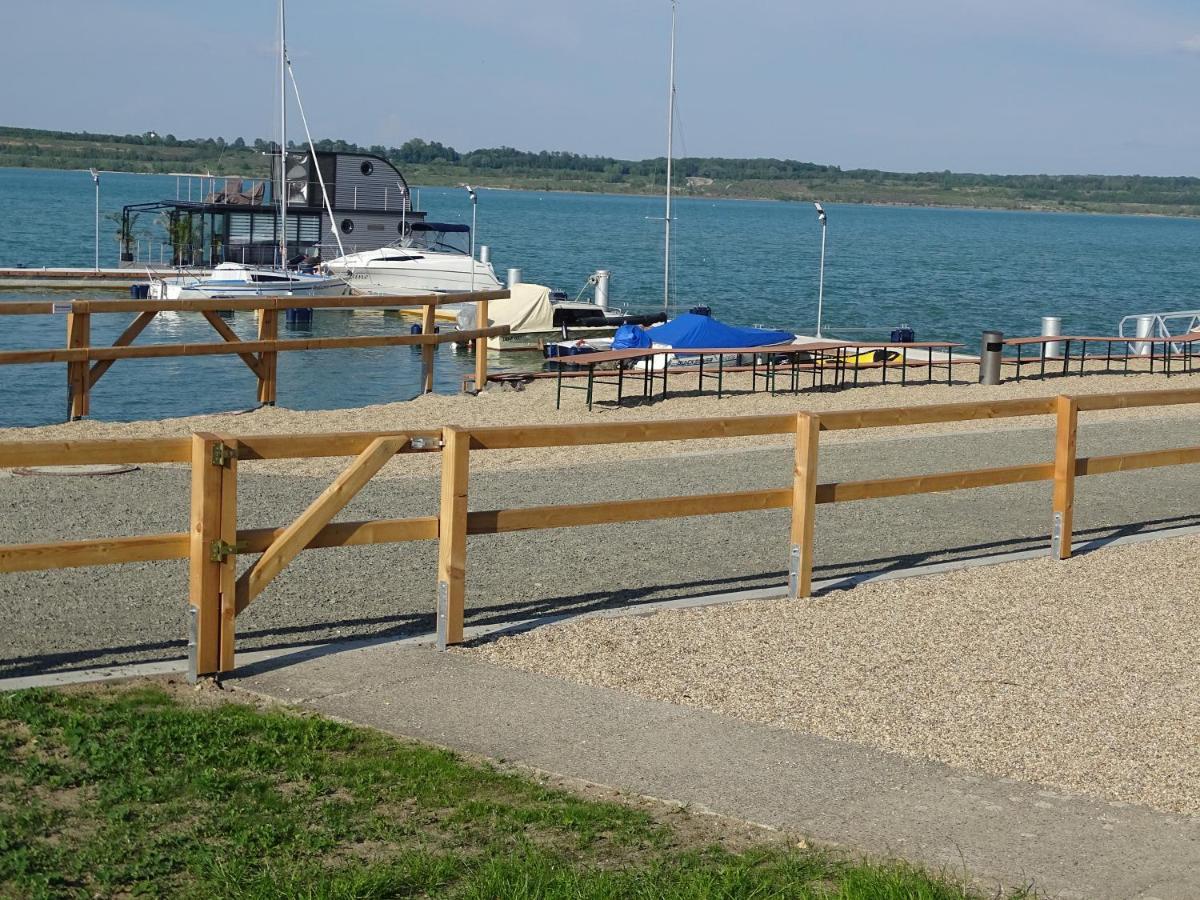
(630, 337)
(691, 330)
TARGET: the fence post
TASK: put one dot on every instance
(452, 536)
(212, 559)
(428, 351)
(79, 337)
(481, 349)
(228, 473)
(268, 330)
(804, 505)
(1064, 476)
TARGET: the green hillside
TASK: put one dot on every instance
(429, 162)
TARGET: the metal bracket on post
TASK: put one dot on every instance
(193, 626)
(443, 614)
(794, 571)
(219, 551)
(1056, 536)
(420, 443)
(223, 455)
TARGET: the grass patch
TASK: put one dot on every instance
(132, 791)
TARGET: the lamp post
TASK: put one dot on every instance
(474, 206)
(96, 179)
(821, 217)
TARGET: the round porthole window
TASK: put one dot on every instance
(367, 167)
(347, 226)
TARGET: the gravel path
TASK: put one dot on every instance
(77, 618)
(1078, 675)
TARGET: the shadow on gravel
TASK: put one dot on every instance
(372, 630)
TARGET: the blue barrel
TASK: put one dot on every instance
(903, 335)
(139, 291)
(299, 316)
(415, 329)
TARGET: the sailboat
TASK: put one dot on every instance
(231, 279)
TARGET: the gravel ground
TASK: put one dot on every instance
(102, 615)
(75, 618)
(535, 405)
(1079, 675)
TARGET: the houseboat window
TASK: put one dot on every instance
(309, 228)
(347, 226)
(367, 167)
(239, 228)
(262, 228)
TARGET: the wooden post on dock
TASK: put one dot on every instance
(481, 349)
(79, 337)
(452, 536)
(212, 570)
(428, 351)
(268, 330)
(804, 505)
(1065, 451)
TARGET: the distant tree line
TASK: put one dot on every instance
(782, 178)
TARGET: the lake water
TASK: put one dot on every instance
(948, 273)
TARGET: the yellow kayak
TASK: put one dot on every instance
(869, 358)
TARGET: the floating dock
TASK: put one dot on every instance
(66, 279)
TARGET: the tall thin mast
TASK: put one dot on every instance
(283, 257)
(670, 154)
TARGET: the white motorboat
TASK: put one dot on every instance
(433, 258)
(229, 280)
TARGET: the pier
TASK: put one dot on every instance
(86, 363)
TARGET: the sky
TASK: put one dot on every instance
(995, 86)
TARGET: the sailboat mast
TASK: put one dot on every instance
(283, 256)
(670, 155)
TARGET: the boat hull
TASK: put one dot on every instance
(176, 289)
(416, 279)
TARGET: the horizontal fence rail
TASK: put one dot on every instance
(214, 541)
(87, 363)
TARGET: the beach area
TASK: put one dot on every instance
(534, 404)
(372, 592)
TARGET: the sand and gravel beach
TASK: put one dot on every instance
(1078, 675)
(534, 404)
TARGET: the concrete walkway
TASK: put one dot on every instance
(1000, 832)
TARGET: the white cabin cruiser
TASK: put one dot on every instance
(236, 280)
(432, 258)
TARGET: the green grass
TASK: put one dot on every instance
(131, 792)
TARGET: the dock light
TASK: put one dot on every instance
(96, 179)
(474, 206)
(823, 219)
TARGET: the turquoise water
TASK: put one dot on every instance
(947, 273)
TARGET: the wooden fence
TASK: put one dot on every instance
(218, 594)
(86, 363)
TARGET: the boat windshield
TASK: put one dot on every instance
(438, 238)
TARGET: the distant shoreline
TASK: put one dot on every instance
(538, 185)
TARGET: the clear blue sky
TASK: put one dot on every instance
(1058, 86)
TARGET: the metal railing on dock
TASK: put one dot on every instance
(87, 363)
